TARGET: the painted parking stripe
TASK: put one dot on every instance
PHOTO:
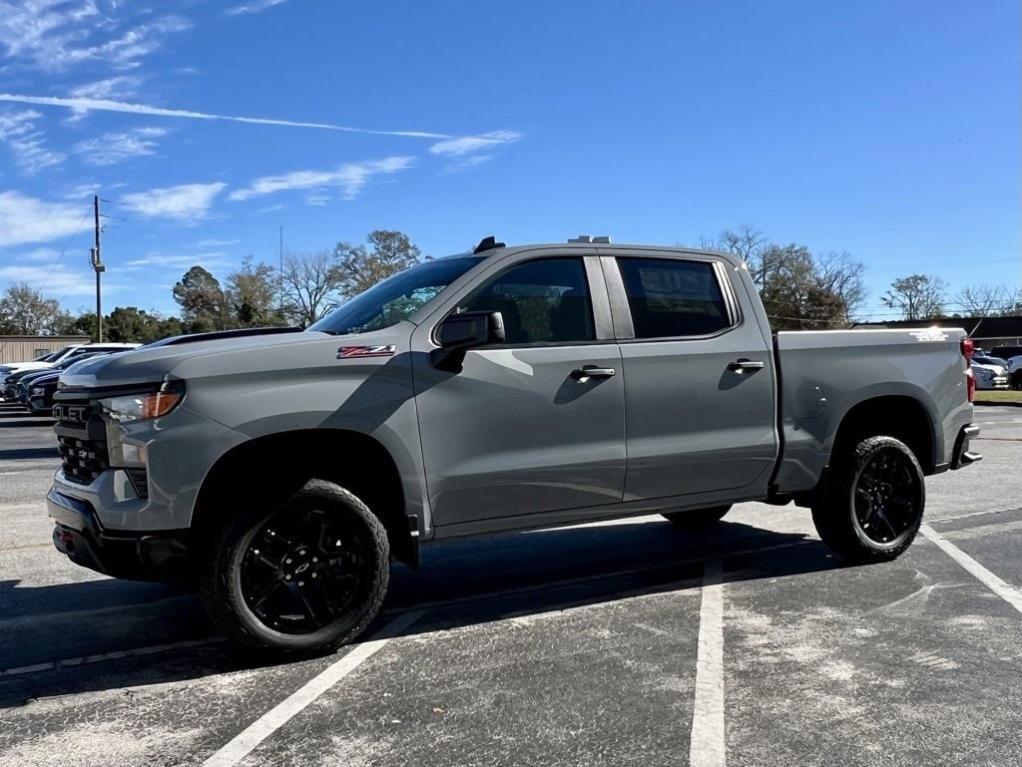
(1004, 590)
(707, 746)
(249, 739)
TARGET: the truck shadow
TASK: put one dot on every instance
(460, 583)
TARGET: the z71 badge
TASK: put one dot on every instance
(352, 352)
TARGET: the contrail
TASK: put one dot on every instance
(107, 105)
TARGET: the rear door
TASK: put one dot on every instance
(520, 430)
(699, 380)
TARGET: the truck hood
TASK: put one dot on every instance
(198, 358)
(153, 363)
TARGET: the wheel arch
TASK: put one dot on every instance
(354, 460)
(902, 416)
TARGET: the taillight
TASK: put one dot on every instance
(968, 347)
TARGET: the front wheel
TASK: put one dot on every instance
(695, 519)
(872, 505)
(307, 576)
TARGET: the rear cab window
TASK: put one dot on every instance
(673, 298)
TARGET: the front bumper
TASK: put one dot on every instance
(77, 533)
(962, 455)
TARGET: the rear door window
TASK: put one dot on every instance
(671, 298)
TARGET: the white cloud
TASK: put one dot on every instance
(161, 259)
(349, 178)
(256, 7)
(468, 162)
(212, 242)
(39, 255)
(183, 203)
(115, 147)
(454, 147)
(56, 279)
(25, 220)
(110, 105)
(119, 87)
(27, 143)
(53, 35)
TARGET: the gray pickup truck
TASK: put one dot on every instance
(503, 389)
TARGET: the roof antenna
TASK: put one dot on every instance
(488, 243)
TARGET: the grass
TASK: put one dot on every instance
(988, 397)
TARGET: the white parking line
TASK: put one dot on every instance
(707, 747)
(1004, 590)
(248, 739)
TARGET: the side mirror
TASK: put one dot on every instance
(461, 332)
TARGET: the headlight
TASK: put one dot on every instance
(140, 407)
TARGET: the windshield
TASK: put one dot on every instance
(51, 356)
(396, 298)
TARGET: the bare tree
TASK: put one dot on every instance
(311, 286)
(746, 242)
(917, 297)
(842, 276)
(984, 300)
(24, 311)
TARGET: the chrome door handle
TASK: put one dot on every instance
(586, 372)
(743, 365)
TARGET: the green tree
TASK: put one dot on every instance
(253, 294)
(24, 311)
(917, 297)
(204, 304)
(360, 267)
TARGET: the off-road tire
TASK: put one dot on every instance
(695, 519)
(834, 508)
(221, 583)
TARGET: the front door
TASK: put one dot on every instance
(521, 429)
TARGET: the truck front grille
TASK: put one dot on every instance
(82, 460)
(81, 439)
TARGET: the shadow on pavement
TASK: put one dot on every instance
(16, 454)
(460, 583)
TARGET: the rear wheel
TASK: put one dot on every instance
(306, 576)
(872, 505)
(697, 518)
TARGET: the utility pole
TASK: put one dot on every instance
(97, 265)
(280, 272)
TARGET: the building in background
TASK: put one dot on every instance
(25, 348)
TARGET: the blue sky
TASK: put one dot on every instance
(888, 130)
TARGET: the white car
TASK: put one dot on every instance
(989, 376)
(55, 358)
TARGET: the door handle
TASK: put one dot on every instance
(743, 365)
(586, 372)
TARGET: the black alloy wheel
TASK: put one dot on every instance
(886, 496)
(301, 572)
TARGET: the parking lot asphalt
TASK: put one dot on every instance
(630, 642)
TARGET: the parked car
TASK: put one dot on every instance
(989, 376)
(503, 389)
(1015, 372)
(16, 383)
(40, 395)
(986, 359)
(55, 358)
